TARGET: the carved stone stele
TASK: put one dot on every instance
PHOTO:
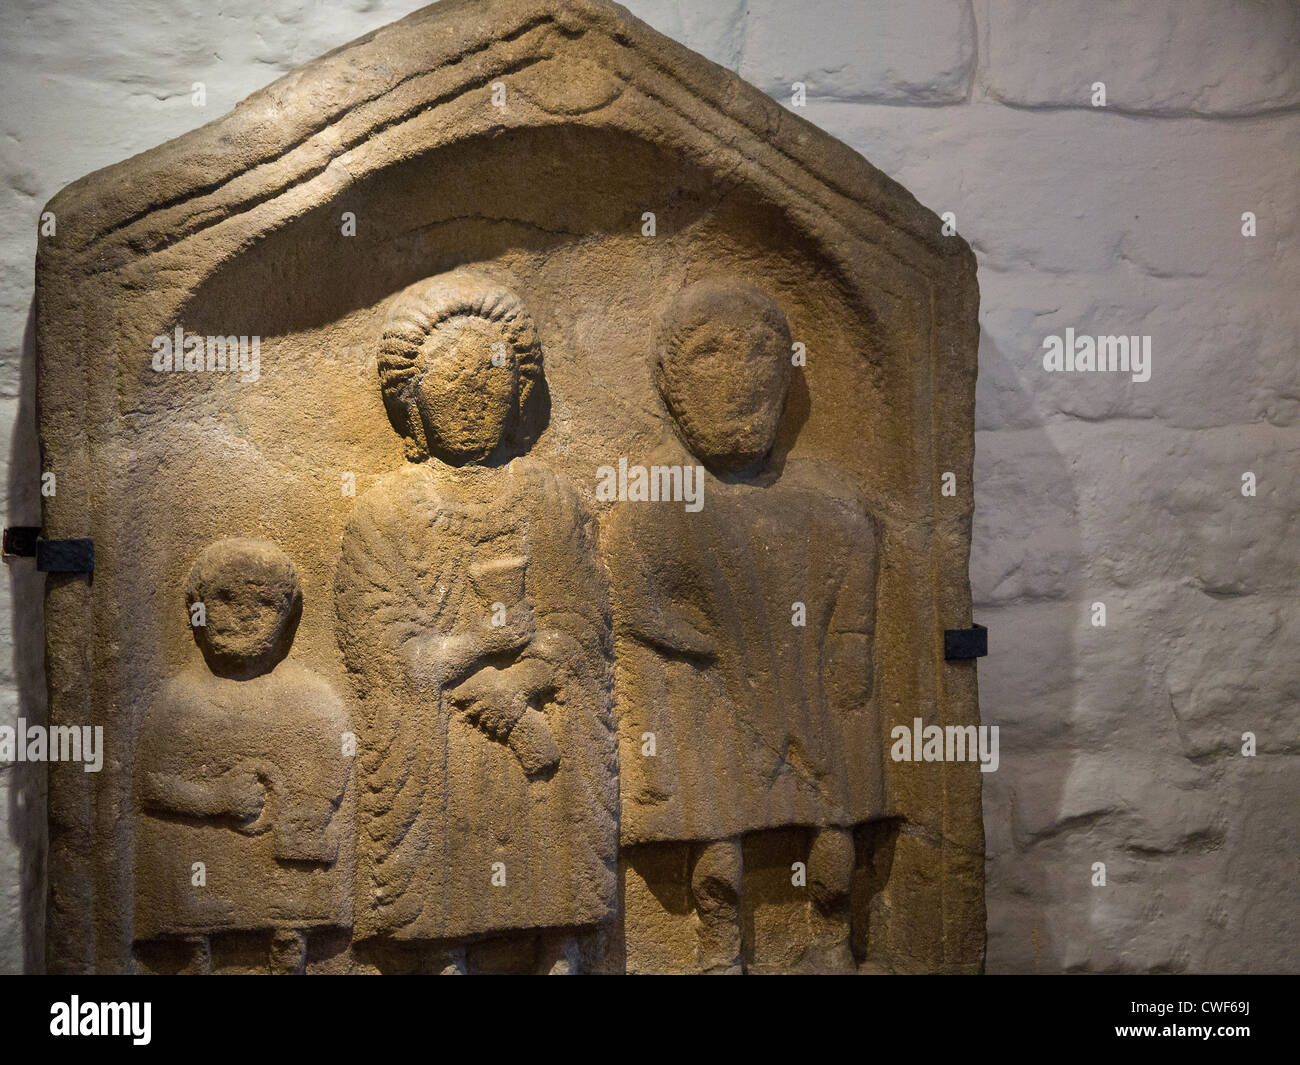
(514, 449)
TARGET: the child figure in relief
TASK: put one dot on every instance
(242, 772)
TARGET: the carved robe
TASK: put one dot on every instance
(757, 721)
(456, 838)
(291, 867)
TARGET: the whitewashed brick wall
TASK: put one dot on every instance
(1119, 744)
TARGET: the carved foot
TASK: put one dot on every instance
(559, 954)
(830, 879)
(198, 957)
(445, 962)
(288, 952)
(830, 867)
(715, 886)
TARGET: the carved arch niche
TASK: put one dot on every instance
(529, 140)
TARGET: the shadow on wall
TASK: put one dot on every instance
(26, 815)
(1026, 576)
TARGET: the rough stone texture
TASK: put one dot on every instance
(416, 418)
(921, 52)
(1242, 54)
(1087, 215)
(240, 764)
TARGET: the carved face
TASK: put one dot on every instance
(723, 369)
(251, 599)
(459, 363)
(467, 398)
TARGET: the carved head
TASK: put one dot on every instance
(252, 600)
(461, 369)
(723, 369)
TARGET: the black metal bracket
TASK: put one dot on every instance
(966, 643)
(52, 556)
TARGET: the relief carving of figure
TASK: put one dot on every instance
(473, 613)
(242, 773)
(743, 629)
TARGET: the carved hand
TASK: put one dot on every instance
(519, 628)
(490, 702)
(236, 793)
(446, 661)
(533, 743)
(245, 797)
(671, 634)
(497, 701)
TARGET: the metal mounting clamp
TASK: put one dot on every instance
(966, 643)
(52, 556)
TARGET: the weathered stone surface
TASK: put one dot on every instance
(1205, 57)
(1061, 193)
(395, 355)
(1190, 385)
(1038, 189)
(1165, 831)
(246, 812)
(716, 30)
(921, 52)
(1231, 555)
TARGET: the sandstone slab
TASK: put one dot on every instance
(423, 411)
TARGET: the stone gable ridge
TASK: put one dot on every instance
(353, 111)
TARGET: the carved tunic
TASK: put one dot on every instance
(456, 838)
(757, 722)
(290, 867)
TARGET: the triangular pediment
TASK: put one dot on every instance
(403, 89)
